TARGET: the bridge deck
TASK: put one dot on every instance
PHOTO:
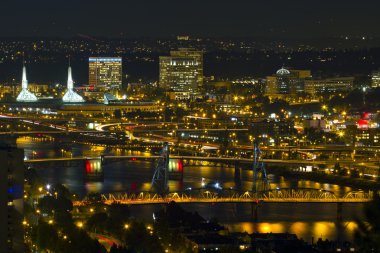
(218, 159)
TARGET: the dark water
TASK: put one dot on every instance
(306, 220)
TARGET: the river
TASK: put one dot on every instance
(312, 220)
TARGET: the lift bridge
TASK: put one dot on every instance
(260, 191)
(160, 176)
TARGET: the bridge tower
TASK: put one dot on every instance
(260, 179)
(160, 176)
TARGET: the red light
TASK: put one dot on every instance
(88, 166)
(180, 165)
(362, 123)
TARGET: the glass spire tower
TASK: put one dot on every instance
(25, 95)
(71, 96)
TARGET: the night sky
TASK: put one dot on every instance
(152, 18)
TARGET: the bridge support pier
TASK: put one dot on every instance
(237, 171)
(255, 211)
(237, 177)
(339, 212)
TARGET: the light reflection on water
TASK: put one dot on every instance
(305, 220)
(305, 230)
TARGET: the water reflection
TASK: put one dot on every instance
(304, 230)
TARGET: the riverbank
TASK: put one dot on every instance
(356, 183)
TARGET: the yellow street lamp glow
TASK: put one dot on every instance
(80, 224)
(126, 226)
(50, 221)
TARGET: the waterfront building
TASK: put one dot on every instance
(11, 200)
(105, 71)
(25, 95)
(71, 96)
(182, 71)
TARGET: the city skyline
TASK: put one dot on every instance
(189, 126)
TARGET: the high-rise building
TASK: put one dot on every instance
(182, 71)
(375, 79)
(105, 71)
(286, 82)
(11, 200)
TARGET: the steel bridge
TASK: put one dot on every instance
(203, 195)
(216, 159)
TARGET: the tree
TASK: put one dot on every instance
(367, 235)
(118, 215)
(97, 222)
(139, 239)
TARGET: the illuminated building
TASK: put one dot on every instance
(331, 85)
(25, 95)
(11, 200)
(91, 110)
(375, 79)
(286, 82)
(71, 96)
(182, 71)
(105, 71)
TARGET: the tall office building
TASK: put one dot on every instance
(182, 71)
(105, 71)
(375, 79)
(11, 200)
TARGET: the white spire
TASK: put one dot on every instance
(24, 82)
(71, 96)
(70, 83)
(25, 95)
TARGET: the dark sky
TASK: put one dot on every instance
(269, 18)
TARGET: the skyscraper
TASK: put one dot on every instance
(11, 200)
(182, 71)
(105, 71)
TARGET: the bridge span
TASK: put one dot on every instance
(203, 195)
(214, 159)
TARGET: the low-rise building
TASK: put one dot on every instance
(330, 85)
